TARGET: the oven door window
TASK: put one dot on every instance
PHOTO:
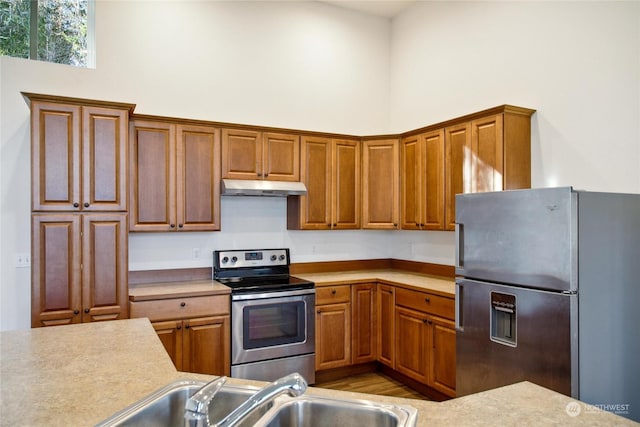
(274, 324)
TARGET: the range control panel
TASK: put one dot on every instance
(251, 258)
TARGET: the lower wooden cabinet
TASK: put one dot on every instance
(79, 268)
(197, 345)
(333, 327)
(195, 331)
(364, 336)
(386, 322)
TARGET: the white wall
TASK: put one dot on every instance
(576, 63)
(308, 65)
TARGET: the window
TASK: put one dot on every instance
(58, 31)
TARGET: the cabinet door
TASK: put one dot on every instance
(411, 202)
(487, 154)
(386, 325)
(170, 334)
(363, 323)
(333, 336)
(206, 346)
(104, 159)
(281, 157)
(443, 356)
(56, 297)
(313, 210)
(105, 269)
(433, 179)
(198, 178)
(152, 177)
(346, 185)
(55, 154)
(241, 154)
(380, 184)
(458, 172)
(412, 344)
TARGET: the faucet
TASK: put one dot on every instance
(196, 408)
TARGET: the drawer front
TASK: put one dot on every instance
(333, 294)
(426, 302)
(180, 308)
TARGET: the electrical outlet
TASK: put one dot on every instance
(23, 260)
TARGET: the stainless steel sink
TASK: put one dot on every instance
(165, 408)
(310, 411)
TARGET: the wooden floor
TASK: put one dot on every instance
(372, 383)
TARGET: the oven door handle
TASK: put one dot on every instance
(265, 295)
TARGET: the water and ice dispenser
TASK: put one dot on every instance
(504, 323)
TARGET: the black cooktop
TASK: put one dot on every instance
(245, 285)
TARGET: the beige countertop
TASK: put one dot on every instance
(78, 375)
(190, 288)
(439, 285)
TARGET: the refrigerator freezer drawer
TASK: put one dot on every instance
(508, 334)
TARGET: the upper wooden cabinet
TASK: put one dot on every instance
(79, 271)
(330, 169)
(175, 177)
(380, 184)
(79, 155)
(248, 154)
(486, 151)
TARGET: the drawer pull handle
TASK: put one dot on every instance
(333, 291)
(179, 327)
(183, 304)
(427, 300)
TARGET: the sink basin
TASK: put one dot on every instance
(310, 411)
(165, 408)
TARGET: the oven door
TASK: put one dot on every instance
(272, 325)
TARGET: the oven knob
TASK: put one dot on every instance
(282, 257)
(225, 260)
(273, 257)
(234, 259)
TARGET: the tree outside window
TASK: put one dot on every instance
(47, 30)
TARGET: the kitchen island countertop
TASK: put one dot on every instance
(78, 375)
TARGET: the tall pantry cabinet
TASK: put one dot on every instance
(79, 165)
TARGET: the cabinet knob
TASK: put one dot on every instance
(427, 300)
(172, 225)
(183, 304)
(186, 326)
(180, 225)
(333, 291)
(76, 312)
(76, 204)
(179, 327)
(86, 205)
(427, 321)
(86, 310)
(318, 311)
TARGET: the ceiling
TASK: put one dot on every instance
(383, 8)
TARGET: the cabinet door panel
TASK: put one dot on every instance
(411, 183)
(433, 175)
(55, 288)
(205, 348)
(55, 169)
(104, 159)
(346, 184)
(380, 184)
(104, 276)
(458, 173)
(363, 326)
(333, 336)
(313, 211)
(443, 360)
(281, 157)
(170, 334)
(198, 178)
(152, 181)
(487, 149)
(412, 352)
(386, 325)
(241, 154)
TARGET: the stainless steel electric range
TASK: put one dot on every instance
(272, 314)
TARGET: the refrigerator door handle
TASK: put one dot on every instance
(459, 230)
(458, 307)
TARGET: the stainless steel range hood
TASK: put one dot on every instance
(241, 187)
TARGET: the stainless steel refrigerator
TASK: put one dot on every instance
(548, 291)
